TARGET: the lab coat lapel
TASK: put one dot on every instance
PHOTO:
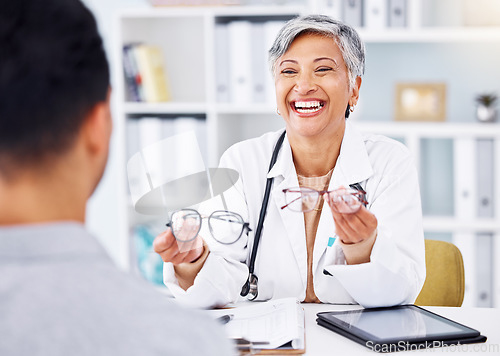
(353, 166)
(285, 176)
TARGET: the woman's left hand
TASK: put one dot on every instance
(354, 227)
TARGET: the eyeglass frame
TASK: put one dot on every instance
(360, 195)
(245, 225)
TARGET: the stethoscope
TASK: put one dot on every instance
(250, 288)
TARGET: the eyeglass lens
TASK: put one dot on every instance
(301, 199)
(346, 200)
(226, 227)
(185, 224)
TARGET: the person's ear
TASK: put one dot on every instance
(97, 127)
(355, 92)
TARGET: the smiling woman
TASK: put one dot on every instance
(369, 237)
(313, 91)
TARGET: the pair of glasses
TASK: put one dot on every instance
(346, 200)
(225, 226)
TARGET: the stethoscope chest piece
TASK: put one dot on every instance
(253, 291)
(250, 289)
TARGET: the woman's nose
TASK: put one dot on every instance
(305, 84)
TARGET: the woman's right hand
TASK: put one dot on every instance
(177, 252)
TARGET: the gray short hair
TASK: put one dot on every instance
(346, 37)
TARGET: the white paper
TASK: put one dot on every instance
(277, 321)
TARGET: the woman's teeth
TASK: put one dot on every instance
(308, 107)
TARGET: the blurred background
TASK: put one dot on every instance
(431, 82)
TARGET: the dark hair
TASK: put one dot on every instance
(53, 71)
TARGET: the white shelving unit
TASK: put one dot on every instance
(187, 37)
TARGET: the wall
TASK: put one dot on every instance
(464, 67)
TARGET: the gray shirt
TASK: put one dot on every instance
(60, 294)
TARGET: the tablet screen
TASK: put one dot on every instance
(404, 322)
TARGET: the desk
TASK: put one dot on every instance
(321, 341)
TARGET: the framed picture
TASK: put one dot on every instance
(420, 102)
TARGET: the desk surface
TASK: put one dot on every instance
(321, 341)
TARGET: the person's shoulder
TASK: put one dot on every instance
(386, 153)
(383, 145)
(181, 325)
(151, 316)
(120, 312)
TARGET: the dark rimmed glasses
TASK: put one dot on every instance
(225, 226)
(303, 199)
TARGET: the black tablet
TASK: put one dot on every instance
(399, 328)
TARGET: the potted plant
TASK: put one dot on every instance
(486, 109)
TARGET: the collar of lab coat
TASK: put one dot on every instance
(353, 164)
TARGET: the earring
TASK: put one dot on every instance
(278, 111)
(351, 109)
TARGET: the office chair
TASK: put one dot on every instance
(445, 281)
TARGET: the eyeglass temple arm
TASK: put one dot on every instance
(293, 201)
(320, 192)
(358, 187)
(245, 224)
(247, 227)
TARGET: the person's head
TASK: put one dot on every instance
(317, 63)
(54, 86)
(346, 37)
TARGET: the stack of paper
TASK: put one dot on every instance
(276, 324)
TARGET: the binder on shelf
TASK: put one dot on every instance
(333, 8)
(375, 14)
(484, 276)
(271, 29)
(222, 63)
(485, 178)
(464, 163)
(132, 76)
(397, 13)
(466, 243)
(150, 132)
(184, 124)
(464, 176)
(353, 12)
(485, 209)
(259, 62)
(141, 133)
(150, 65)
(166, 149)
(240, 61)
(133, 140)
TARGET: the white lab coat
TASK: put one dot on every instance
(396, 271)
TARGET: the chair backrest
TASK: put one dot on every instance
(445, 281)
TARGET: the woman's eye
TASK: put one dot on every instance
(288, 71)
(323, 69)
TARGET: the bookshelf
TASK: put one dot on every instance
(188, 38)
